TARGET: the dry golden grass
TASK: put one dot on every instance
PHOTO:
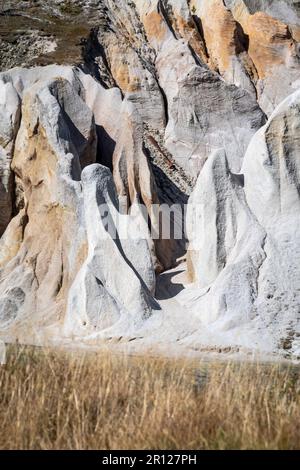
(54, 400)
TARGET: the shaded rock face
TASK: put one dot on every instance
(154, 102)
(9, 119)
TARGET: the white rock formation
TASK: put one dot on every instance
(54, 251)
(244, 251)
(99, 297)
(171, 97)
(9, 122)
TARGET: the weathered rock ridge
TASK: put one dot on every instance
(194, 103)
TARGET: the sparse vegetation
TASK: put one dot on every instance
(101, 401)
(20, 34)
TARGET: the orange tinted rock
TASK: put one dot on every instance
(155, 26)
(225, 42)
(123, 66)
(187, 29)
(222, 36)
(270, 42)
(295, 32)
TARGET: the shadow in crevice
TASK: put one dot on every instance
(241, 38)
(161, 9)
(165, 288)
(238, 179)
(199, 29)
(69, 132)
(92, 50)
(169, 251)
(105, 148)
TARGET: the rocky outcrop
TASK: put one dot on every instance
(192, 122)
(159, 53)
(99, 298)
(9, 123)
(47, 162)
(157, 105)
(227, 44)
(273, 47)
(286, 11)
(244, 251)
(50, 250)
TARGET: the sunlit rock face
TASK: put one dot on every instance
(49, 252)
(244, 231)
(114, 107)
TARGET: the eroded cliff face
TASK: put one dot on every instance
(186, 102)
(252, 247)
